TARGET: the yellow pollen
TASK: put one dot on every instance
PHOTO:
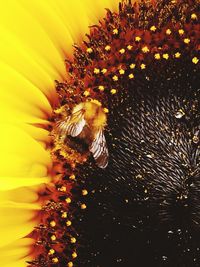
(168, 31)
(129, 47)
(96, 71)
(108, 47)
(143, 66)
(132, 66)
(181, 31)
(115, 78)
(83, 206)
(106, 111)
(55, 260)
(89, 50)
(86, 93)
(115, 31)
(68, 200)
(137, 38)
(122, 51)
(51, 251)
(186, 40)
(195, 60)
(63, 189)
(84, 192)
(68, 223)
(104, 71)
(53, 237)
(157, 56)
(145, 49)
(73, 240)
(153, 28)
(177, 55)
(121, 71)
(113, 91)
(74, 255)
(101, 88)
(131, 76)
(64, 214)
(72, 177)
(193, 16)
(70, 264)
(52, 223)
(166, 56)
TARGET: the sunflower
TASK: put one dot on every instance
(113, 173)
(36, 36)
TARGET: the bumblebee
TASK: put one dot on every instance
(87, 122)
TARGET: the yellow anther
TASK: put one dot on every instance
(70, 264)
(68, 223)
(55, 260)
(63, 189)
(121, 71)
(86, 93)
(129, 47)
(115, 31)
(96, 71)
(73, 240)
(113, 91)
(195, 60)
(101, 88)
(145, 49)
(131, 76)
(132, 66)
(74, 255)
(51, 251)
(168, 31)
(84, 192)
(194, 16)
(177, 55)
(53, 237)
(72, 177)
(166, 56)
(115, 78)
(181, 31)
(52, 223)
(153, 28)
(122, 51)
(137, 38)
(83, 206)
(186, 40)
(68, 200)
(104, 71)
(143, 66)
(157, 56)
(89, 50)
(108, 47)
(64, 214)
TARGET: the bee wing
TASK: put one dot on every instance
(72, 125)
(99, 149)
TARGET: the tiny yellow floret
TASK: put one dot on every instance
(166, 56)
(122, 51)
(157, 56)
(131, 76)
(115, 31)
(113, 91)
(153, 28)
(195, 60)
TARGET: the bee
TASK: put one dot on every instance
(87, 122)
